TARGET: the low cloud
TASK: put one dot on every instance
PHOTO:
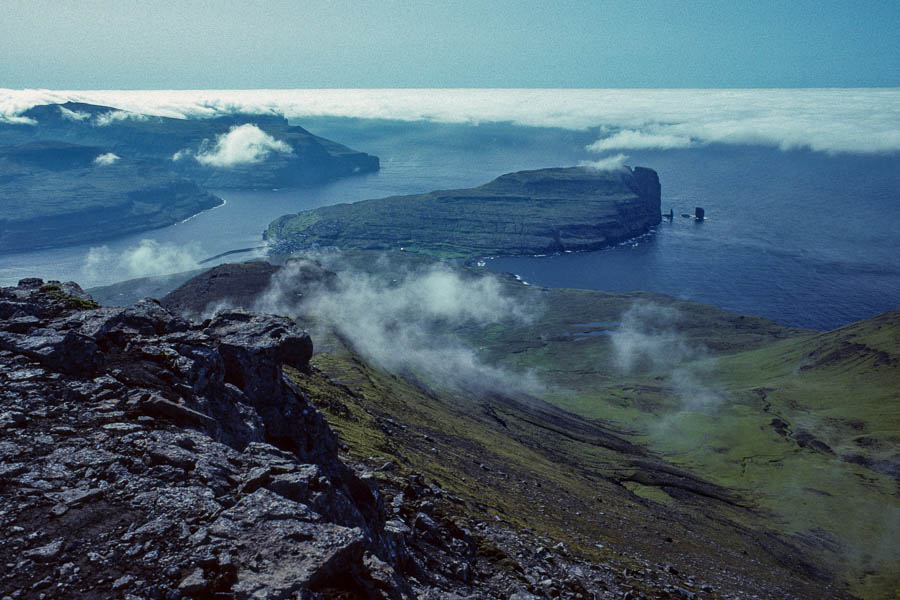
(405, 322)
(146, 259)
(648, 341)
(607, 163)
(827, 120)
(242, 145)
(106, 159)
(629, 139)
(73, 115)
(114, 116)
(16, 120)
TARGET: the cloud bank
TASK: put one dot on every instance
(114, 116)
(630, 139)
(828, 120)
(242, 145)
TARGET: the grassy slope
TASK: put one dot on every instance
(561, 476)
(824, 472)
(821, 475)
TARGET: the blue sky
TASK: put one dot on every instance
(97, 44)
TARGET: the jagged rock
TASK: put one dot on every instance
(69, 352)
(185, 457)
(195, 583)
(291, 550)
(157, 406)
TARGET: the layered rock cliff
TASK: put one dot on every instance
(529, 212)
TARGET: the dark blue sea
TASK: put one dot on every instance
(805, 238)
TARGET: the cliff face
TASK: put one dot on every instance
(144, 456)
(528, 212)
(56, 194)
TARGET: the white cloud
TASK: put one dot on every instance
(16, 120)
(242, 145)
(829, 120)
(607, 163)
(629, 139)
(73, 115)
(401, 319)
(613, 162)
(106, 159)
(146, 259)
(113, 116)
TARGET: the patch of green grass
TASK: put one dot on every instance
(56, 292)
(790, 435)
(509, 462)
(826, 480)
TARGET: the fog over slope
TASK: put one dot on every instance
(828, 120)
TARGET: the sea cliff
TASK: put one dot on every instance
(528, 212)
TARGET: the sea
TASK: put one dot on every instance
(807, 238)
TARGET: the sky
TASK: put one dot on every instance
(282, 44)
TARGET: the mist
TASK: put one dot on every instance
(648, 341)
(146, 259)
(613, 162)
(404, 320)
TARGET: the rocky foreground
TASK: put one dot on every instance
(145, 456)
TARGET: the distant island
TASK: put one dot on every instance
(528, 212)
(56, 194)
(234, 151)
(74, 172)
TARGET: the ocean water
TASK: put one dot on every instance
(805, 238)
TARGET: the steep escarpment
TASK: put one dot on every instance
(141, 453)
(146, 456)
(56, 194)
(528, 212)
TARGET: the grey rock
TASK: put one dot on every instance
(163, 454)
(80, 496)
(45, 553)
(68, 352)
(157, 406)
(195, 583)
(122, 582)
(292, 552)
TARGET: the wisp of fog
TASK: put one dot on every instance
(406, 322)
(648, 341)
